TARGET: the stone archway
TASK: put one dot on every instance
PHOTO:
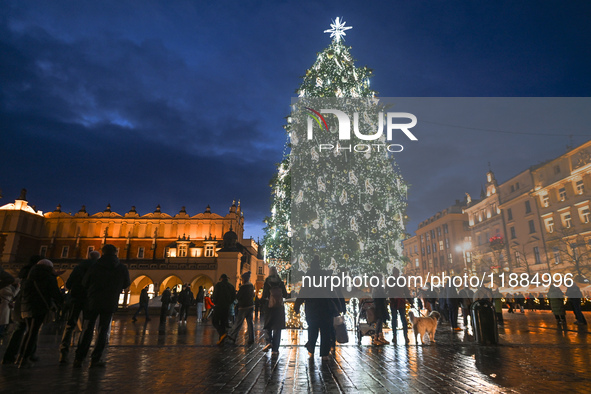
(136, 287)
(171, 281)
(202, 280)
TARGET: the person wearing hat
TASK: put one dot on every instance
(245, 299)
(223, 296)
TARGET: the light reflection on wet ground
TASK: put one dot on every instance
(535, 355)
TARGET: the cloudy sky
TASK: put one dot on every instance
(181, 103)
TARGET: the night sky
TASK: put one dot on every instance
(181, 103)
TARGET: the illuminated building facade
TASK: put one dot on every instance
(160, 250)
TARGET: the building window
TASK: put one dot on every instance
(90, 249)
(556, 255)
(43, 251)
(440, 245)
(479, 240)
(423, 251)
(562, 194)
(545, 200)
(509, 214)
(537, 255)
(512, 230)
(182, 250)
(549, 225)
(434, 247)
(439, 231)
(517, 259)
(435, 263)
(512, 188)
(517, 186)
(65, 250)
(447, 243)
(209, 251)
(580, 187)
(422, 240)
(527, 207)
(417, 263)
(432, 234)
(261, 270)
(140, 252)
(427, 236)
(532, 227)
(584, 215)
(556, 169)
(428, 249)
(567, 220)
(415, 249)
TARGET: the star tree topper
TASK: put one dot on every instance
(337, 29)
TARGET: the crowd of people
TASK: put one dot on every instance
(95, 285)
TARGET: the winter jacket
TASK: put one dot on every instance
(104, 282)
(224, 294)
(74, 282)
(144, 297)
(40, 291)
(574, 292)
(200, 296)
(556, 299)
(186, 297)
(274, 317)
(166, 297)
(245, 296)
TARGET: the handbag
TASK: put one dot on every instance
(340, 329)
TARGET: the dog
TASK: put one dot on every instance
(424, 325)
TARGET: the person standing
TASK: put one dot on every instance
(77, 297)
(174, 297)
(16, 338)
(556, 299)
(399, 296)
(165, 301)
(40, 292)
(378, 294)
(143, 305)
(199, 299)
(245, 297)
(208, 306)
(274, 292)
(223, 297)
(451, 300)
(574, 296)
(104, 282)
(497, 299)
(466, 295)
(185, 300)
(7, 296)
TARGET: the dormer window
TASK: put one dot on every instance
(209, 252)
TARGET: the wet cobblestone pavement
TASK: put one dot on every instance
(533, 356)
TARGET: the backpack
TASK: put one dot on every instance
(275, 297)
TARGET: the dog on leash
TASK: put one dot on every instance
(424, 325)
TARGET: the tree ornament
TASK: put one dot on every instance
(343, 198)
(337, 29)
(321, 185)
(352, 178)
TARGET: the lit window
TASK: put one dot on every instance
(549, 225)
(580, 187)
(545, 200)
(417, 263)
(182, 250)
(562, 194)
(567, 220)
(585, 215)
(209, 251)
(65, 252)
(440, 245)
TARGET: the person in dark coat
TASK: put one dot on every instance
(223, 296)
(399, 296)
(245, 299)
(556, 299)
(143, 305)
(199, 299)
(274, 316)
(165, 301)
(574, 297)
(16, 338)
(320, 312)
(104, 281)
(379, 300)
(186, 299)
(77, 298)
(40, 292)
(452, 302)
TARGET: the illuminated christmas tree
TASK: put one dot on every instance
(345, 205)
